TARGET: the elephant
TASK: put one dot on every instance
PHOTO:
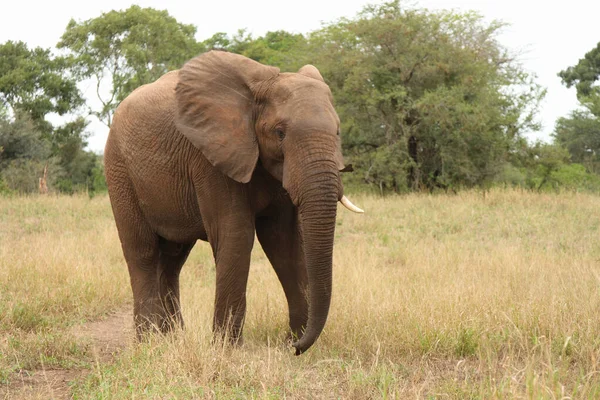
(224, 150)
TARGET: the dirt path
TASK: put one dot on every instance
(107, 337)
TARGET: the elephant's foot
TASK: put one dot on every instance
(154, 317)
(225, 337)
(228, 333)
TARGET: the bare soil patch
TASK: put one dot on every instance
(106, 338)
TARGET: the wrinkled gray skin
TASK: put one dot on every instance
(218, 151)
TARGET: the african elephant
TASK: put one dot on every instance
(221, 150)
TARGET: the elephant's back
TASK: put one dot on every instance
(143, 129)
(147, 112)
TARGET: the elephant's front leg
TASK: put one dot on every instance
(232, 256)
(280, 238)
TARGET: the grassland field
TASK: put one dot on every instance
(474, 295)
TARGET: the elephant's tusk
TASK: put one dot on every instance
(348, 204)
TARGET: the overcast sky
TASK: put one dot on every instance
(550, 35)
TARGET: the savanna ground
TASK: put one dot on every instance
(446, 296)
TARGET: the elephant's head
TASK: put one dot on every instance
(237, 111)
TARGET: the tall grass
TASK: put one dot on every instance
(60, 264)
(458, 296)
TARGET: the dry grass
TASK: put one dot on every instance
(60, 264)
(460, 296)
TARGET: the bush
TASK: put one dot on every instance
(576, 177)
(22, 175)
(4, 189)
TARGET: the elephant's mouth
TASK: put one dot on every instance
(346, 201)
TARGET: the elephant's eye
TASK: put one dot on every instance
(280, 133)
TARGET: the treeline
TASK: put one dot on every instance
(34, 84)
(428, 100)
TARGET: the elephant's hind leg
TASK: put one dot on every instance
(146, 263)
(154, 269)
(171, 259)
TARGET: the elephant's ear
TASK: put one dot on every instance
(215, 103)
(311, 71)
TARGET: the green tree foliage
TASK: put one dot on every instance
(280, 48)
(36, 82)
(131, 48)
(546, 167)
(575, 177)
(547, 160)
(579, 132)
(427, 99)
(33, 84)
(23, 153)
(77, 166)
(584, 76)
(21, 139)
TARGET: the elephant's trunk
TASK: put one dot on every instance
(317, 196)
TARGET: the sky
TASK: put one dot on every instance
(549, 36)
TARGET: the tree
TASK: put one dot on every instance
(282, 49)
(584, 76)
(36, 82)
(33, 84)
(579, 133)
(131, 48)
(548, 159)
(76, 164)
(427, 99)
(24, 152)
